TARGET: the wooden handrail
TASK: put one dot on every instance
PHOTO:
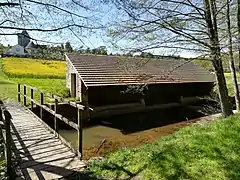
(54, 112)
(46, 94)
(6, 117)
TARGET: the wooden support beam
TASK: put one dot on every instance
(117, 106)
(7, 137)
(182, 108)
(84, 99)
(55, 118)
(73, 84)
(142, 101)
(41, 103)
(19, 92)
(8, 152)
(133, 109)
(80, 134)
(24, 97)
(32, 99)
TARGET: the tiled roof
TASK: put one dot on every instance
(96, 70)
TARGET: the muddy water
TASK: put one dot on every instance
(92, 136)
(126, 127)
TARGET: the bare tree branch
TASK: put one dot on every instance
(48, 30)
(9, 4)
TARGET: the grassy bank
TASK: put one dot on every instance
(209, 151)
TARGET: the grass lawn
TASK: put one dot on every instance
(33, 68)
(209, 151)
(228, 77)
(8, 90)
(8, 85)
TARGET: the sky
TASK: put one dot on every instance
(107, 13)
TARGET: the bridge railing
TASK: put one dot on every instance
(57, 116)
(6, 117)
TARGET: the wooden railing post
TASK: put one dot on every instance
(8, 142)
(31, 99)
(80, 134)
(41, 103)
(19, 92)
(1, 113)
(55, 118)
(25, 94)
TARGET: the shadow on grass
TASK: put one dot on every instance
(172, 163)
(168, 159)
(120, 169)
(231, 165)
(156, 164)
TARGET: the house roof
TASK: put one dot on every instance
(96, 70)
(30, 45)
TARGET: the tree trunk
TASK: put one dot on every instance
(238, 24)
(222, 87)
(231, 60)
(211, 22)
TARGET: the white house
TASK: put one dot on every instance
(17, 50)
(20, 48)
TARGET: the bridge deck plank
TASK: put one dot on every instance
(39, 153)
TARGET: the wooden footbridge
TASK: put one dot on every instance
(33, 150)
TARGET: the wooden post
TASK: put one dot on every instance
(80, 134)
(73, 84)
(8, 142)
(142, 101)
(31, 99)
(41, 103)
(25, 93)
(182, 108)
(55, 118)
(1, 113)
(19, 91)
(84, 101)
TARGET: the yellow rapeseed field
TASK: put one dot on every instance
(34, 68)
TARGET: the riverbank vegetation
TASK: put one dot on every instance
(200, 151)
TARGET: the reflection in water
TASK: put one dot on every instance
(127, 124)
(91, 135)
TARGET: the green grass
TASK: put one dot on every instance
(7, 90)
(210, 151)
(53, 86)
(8, 85)
(229, 82)
(33, 68)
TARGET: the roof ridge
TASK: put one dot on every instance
(129, 57)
